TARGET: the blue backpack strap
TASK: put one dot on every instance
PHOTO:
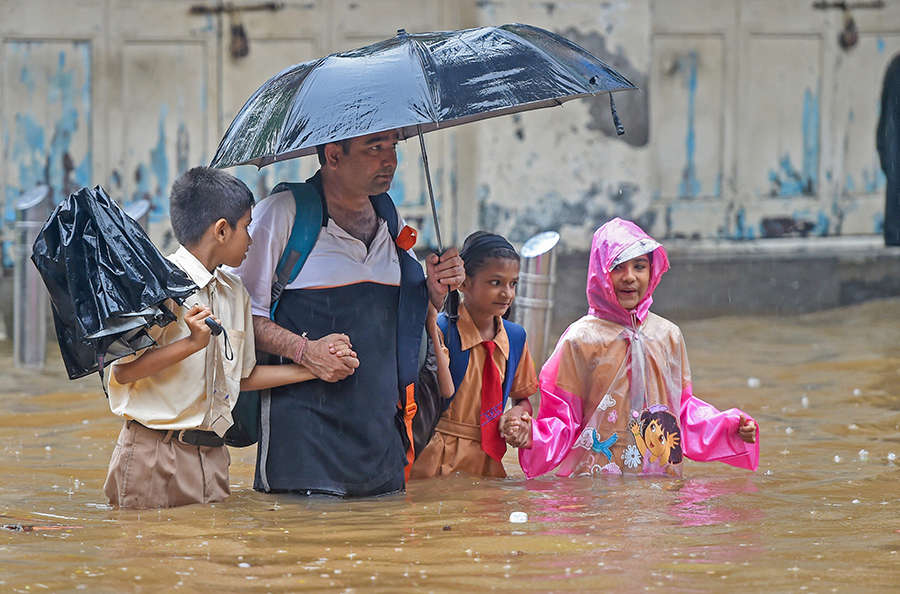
(459, 359)
(304, 233)
(413, 298)
(516, 336)
(411, 309)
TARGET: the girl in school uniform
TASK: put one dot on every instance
(489, 362)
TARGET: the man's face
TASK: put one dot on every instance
(369, 165)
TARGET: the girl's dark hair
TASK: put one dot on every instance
(481, 246)
(668, 423)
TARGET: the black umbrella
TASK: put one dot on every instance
(415, 83)
(106, 279)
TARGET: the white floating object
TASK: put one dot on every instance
(789, 430)
(518, 517)
(804, 402)
(855, 501)
(753, 382)
(837, 459)
(857, 392)
(891, 456)
(863, 455)
(852, 426)
(243, 564)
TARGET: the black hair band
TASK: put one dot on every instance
(483, 244)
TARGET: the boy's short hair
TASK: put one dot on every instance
(202, 196)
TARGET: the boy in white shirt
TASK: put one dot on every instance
(177, 397)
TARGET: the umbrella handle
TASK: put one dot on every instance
(215, 328)
(453, 305)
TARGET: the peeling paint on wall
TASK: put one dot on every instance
(398, 188)
(787, 180)
(742, 229)
(553, 211)
(49, 93)
(159, 164)
(633, 106)
(690, 185)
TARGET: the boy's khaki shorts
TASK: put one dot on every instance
(149, 470)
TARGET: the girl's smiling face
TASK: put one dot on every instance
(491, 290)
(630, 280)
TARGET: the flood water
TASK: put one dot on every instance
(822, 513)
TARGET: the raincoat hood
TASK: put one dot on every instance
(615, 242)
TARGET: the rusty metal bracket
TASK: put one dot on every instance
(229, 8)
(841, 5)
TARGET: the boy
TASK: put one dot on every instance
(177, 397)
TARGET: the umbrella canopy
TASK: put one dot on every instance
(414, 83)
(106, 279)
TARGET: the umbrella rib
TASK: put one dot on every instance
(293, 97)
(419, 53)
(520, 39)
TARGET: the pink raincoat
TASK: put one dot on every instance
(616, 393)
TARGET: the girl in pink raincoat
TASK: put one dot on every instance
(616, 393)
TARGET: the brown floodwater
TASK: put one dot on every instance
(820, 514)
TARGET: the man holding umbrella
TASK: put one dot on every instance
(407, 85)
(339, 436)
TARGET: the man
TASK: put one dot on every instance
(888, 142)
(339, 436)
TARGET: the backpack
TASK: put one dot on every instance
(307, 224)
(430, 407)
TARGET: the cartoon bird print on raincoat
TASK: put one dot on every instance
(616, 374)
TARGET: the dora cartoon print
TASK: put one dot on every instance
(658, 439)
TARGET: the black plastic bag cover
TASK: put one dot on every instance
(106, 279)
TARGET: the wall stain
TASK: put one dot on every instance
(633, 106)
(787, 181)
(34, 159)
(686, 65)
(552, 212)
(159, 164)
(182, 150)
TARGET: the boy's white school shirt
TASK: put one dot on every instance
(199, 391)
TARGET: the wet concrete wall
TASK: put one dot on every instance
(751, 121)
(768, 278)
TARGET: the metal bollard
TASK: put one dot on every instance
(30, 299)
(139, 210)
(534, 298)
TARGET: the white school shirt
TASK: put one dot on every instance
(199, 391)
(337, 259)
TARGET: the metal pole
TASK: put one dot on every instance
(437, 228)
(30, 297)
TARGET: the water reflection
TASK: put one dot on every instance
(826, 391)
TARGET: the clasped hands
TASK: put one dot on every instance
(515, 427)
